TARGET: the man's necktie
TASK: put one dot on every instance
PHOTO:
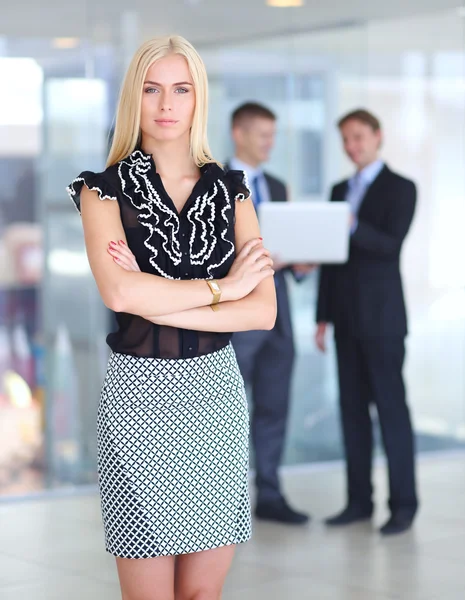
(357, 193)
(256, 198)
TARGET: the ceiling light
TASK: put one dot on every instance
(65, 43)
(285, 3)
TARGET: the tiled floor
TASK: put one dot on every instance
(52, 549)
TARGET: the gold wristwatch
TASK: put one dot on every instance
(216, 291)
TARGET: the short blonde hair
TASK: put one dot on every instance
(127, 132)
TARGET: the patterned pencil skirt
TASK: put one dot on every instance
(173, 455)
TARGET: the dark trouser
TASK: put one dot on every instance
(266, 359)
(370, 371)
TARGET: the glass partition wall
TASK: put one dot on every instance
(409, 71)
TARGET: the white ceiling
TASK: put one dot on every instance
(204, 22)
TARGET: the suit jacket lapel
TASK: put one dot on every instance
(372, 192)
(268, 183)
(340, 193)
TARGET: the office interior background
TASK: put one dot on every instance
(61, 66)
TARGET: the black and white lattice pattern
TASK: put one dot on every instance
(173, 455)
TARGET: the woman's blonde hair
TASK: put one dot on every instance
(127, 132)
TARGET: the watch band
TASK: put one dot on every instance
(216, 291)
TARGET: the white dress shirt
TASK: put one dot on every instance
(358, 185)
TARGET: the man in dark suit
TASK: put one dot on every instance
(364, 301)
(266, 358)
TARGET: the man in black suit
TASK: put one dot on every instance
(364, 301)
(266, 358)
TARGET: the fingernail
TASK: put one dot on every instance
(113, 244)
(260, 238)
(116, 258)
(121, 242)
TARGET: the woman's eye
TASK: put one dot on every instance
(182, 90)
(150, 90)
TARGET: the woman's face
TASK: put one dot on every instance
(168, 100)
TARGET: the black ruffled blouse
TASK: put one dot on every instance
(197, 243)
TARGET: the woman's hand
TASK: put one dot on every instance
(252, 265)
(123, 256)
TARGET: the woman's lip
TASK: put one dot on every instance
(165, 121)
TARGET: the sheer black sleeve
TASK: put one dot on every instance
(240, 188)
(95, 182)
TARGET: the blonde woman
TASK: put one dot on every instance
(174, 246)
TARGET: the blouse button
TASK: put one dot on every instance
(190, 348)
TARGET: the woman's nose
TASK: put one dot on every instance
(165, 102)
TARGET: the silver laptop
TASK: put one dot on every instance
(308, 232)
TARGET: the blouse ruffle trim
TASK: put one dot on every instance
(95, 183)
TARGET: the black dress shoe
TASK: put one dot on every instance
(280, 512)
(349, 515)
(397, 524)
